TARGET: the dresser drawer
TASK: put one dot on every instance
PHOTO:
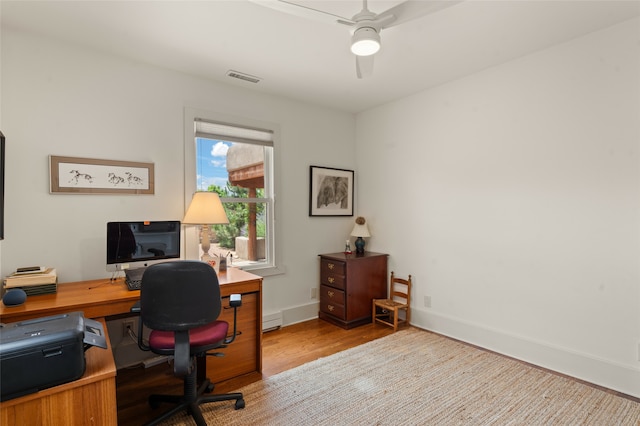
(332, 309)
(331, 295)
(332, 273)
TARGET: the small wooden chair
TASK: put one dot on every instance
(385, 311)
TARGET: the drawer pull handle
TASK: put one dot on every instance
(230, 307)
(330, 293)
(331, 280)
(330, 265)
(330, 307)
(238, 333)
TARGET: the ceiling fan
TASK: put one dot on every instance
(366, 25)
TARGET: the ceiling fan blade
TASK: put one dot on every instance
(409, 10)
(303, 11)
(364, 66)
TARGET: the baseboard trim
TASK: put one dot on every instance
(300, 313)
(621, 378)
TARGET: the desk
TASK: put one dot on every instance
(105, 298)
(90, 400)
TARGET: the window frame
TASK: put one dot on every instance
(269, 267)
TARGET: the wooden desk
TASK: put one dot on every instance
(90, 400)
(105, 298)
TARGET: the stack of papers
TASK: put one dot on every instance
(42, 281)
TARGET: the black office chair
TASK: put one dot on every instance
(180, 302)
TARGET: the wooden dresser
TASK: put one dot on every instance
(348, 283)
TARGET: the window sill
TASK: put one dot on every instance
(263, 270)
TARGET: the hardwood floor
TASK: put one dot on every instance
(282, 350)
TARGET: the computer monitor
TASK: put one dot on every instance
(142, 243)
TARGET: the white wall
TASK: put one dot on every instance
(61, 99)
(519, 193)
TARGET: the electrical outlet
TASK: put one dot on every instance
(126, 325)
(427, 301)
(314, 292)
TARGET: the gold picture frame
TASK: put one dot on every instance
(74, 175)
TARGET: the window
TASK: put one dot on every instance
(235, 160)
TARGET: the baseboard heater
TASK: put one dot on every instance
(272, 321)
(150, 362)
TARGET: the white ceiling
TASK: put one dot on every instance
(308, 59)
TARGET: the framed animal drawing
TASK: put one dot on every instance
(330, 191)
(72, 175)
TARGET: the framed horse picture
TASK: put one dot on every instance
(72, 175)
(330, 191)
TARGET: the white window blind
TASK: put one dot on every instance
(232, 133)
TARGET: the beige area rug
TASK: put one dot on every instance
(414, 377)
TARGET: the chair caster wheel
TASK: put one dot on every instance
(210, 388)
(239, 404)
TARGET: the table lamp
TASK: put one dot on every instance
(360, 230)
(205, 210)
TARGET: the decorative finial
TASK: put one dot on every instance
(360, 220)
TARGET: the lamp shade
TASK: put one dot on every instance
(365, 41)
(205, 209)
(360, 231)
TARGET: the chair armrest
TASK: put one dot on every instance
(135, 309)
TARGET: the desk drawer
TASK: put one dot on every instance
(332, 273)
(240, 356)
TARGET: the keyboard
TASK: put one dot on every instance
(133, 278)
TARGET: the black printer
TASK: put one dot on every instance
(44, 352)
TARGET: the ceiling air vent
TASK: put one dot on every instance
(242, 76)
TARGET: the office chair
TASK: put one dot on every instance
(385, 311)
(180, 302)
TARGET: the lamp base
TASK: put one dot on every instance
(359, 243)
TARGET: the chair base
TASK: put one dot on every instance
(388, 319)
(191, 400)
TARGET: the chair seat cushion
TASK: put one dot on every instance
(205, 335)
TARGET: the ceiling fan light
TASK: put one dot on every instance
(365, 41)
